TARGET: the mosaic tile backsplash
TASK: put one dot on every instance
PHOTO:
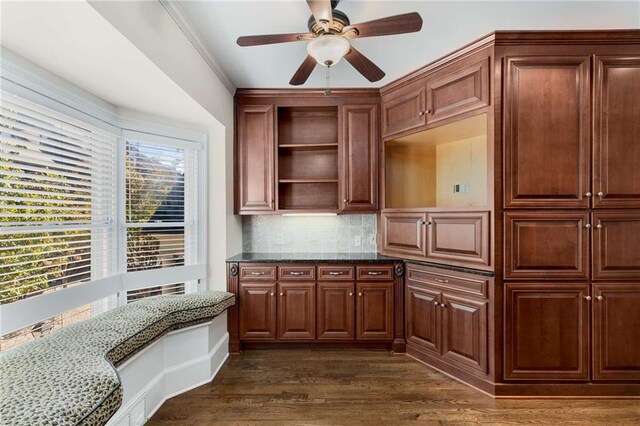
(350, 233)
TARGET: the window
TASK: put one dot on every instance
(133, 295)
(57, 197)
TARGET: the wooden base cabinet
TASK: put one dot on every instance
(451, 325)
(616, 331)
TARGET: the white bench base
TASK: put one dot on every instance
(177, 362)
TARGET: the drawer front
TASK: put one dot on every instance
(374, 273)
(297, 273)
(449, 280)
(257, 273)
(335, 273)
(461, 238)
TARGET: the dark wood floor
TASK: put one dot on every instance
(316, 387)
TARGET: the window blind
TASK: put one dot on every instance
(161, 205)
(57, 201)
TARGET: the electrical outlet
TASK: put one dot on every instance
(357, 241)
(372, 239)
(279, 239)
(456, 188)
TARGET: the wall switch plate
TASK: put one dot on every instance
(357, 241)
(279, 239)
(456, 188)
(465, 187)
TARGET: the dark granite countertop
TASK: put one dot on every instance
(343, 258)
(312, 257)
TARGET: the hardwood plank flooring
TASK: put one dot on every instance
(324, 387)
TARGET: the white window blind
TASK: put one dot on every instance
(57, 201)
(177, 288)
(161, 205)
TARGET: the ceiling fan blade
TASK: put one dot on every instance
(322, 12)
(257, 40)
(398, 24)
(303, 73)
(364, 65)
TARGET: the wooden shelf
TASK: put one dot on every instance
(308, 145)
(308, 180)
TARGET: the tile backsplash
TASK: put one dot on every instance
(309, 234)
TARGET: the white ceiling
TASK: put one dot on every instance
(447, 26)
(73, 41)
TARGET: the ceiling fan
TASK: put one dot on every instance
(329, 35)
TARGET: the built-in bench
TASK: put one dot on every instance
(69, 377)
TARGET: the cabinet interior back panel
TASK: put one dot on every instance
(307, 125)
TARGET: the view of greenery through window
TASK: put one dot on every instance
(49, 181)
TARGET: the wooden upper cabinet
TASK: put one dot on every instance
(546, 332)
(374, 311)
(257, 303)
(616, 331)
(616, 139)
(547, 122)
(546, 245)
(255, 152)
(463, 88)
(404, 109)
(616, 245)
(404, 233)
(359, 157)
(458, 237)
(296, 311)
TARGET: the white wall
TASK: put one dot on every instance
(150, 28)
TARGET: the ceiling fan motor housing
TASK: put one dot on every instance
(340, 20)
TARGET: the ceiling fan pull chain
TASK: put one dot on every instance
(327, 92)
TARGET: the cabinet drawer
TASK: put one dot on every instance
(448, 280)
(335, 273)
(257, 273)
(374, 273)
(295, 272)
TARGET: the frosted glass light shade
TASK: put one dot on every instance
(328, 49)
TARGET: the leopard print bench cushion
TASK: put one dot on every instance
(68, 377)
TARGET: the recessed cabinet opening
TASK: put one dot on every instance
(441, 167)
(308, 158)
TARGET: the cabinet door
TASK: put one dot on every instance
(461, 238)
(404, 233)
(403, 109)
(296, 311)
(422, 310)
(616, 245)
(374, 311)
(464, 88)
(255, 151)
(616, 331)
(465, 331)
(547, 131)
(257, 304)
(546, 332)
(616, 151)
(359, 157)
(336, 318)
(546, 245)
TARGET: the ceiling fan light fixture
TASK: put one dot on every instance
(328, 49)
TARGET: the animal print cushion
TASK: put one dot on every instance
(68, 377)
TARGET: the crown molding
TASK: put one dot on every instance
(177, 14)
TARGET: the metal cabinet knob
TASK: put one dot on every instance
(588, 225)
(444, 305)
(281, 293)
(436, 303)
(599, 297)
(360, 294)
(588, 194)
(350, 293)
(600, 194)
(599, 226)
(421, 113)
(272, 293)
(588, 298)
(344, 201)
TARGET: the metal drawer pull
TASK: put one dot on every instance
(335, 273)
(440, 280)
(296, 273)
(257, 273)
(374, 273)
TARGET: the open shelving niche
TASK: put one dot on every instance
(307, 158)
(422, 169)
